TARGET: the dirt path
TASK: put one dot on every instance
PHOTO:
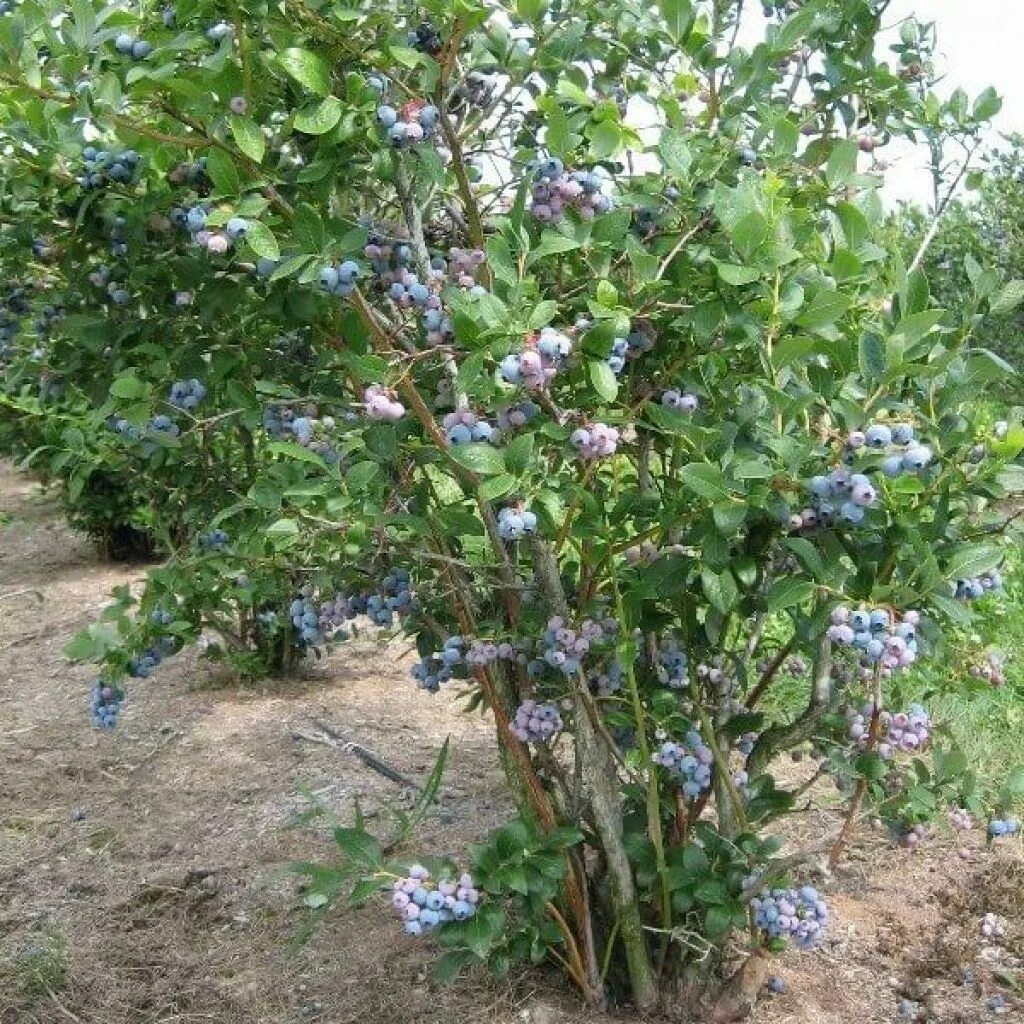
(105, 838)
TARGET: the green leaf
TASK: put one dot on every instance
(605, 139)
(283, 529)
(496, 487)
(319, 118)
(360, 475)
(451, 964)
(222, 171)
(711, 890)
(825, 308)
(542, 314)
(482, 929)
(729, 516)
(973, 560)
(1008, 299)
(674, 152)
(695, 860)
(518, 453)
(987, 105)
(483, 459)
(706, 480)
(678, 15)
(308, 69)
(129, 387)
(730, 273)
(603, 380)
(557, 138)
(720, 589)
(871, 356)
(260, 239)
(248, 136)
(842, 163)
(308, 228)
(551, 244)
(787, 592)
(359, 846)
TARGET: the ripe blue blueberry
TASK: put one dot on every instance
(236, 228)
(878, 435)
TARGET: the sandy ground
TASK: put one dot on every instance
(159, 855)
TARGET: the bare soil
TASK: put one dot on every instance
(159, 854)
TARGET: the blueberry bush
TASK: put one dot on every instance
(560, 337)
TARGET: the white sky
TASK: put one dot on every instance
(980, 43)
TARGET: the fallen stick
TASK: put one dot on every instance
(332, 738)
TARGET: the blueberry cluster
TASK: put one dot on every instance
(597, 441)
(904, 453)
(215, 540)
(486, 652)
(280, 421)
(118, 245)
(425, 38)
(978, 586)
(1007, 826)
(380, 404)
(412, 123)
(690, 760)
(340, 279)
(141, 666)
(437, 668)
(880, 638)
(681, 401)
(536, 365)
(563, 648)
(186, 394)
(671, 667)
(534, 723)
(719, 674)
(841, 494)
(905, 731)
(122, 426)
(193, 174)
(393, 597)
(606, 680)
(101, 166)
(162, 424)
(193, 219)
(799, 915)
(460, 268)
(132, 46)
(960, 819)
(554, 191)
(464, 425)
(388, 256)
(101, 278)
(644, 553)
(911, 836)
(477, 88)
(516, 522)
(105, 703)
(513, 416)
(423, 906)
(315, 622)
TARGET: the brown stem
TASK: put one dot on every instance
(769, 673)
(853, 812)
